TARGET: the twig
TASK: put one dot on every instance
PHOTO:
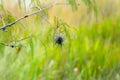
(12, 45)
(43, 15)
(23, 17)
(20, 39)
(30, 14)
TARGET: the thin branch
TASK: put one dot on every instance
(21, 39)
(12, 45)
(4, 44)
(43, 15)
(30, 14)
(23, 17)
(9, 45)
(66, 4)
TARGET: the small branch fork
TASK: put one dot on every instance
(17, 20)
(12, 45)
(23, 17)
(30, 14)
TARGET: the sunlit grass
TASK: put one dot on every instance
(88, 53)
(90, 50)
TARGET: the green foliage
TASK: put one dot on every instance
(92, 5)
(73, 3)
(88, 52)
(6, 18)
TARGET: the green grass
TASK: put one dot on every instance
(88, 53)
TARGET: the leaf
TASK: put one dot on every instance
(73, 4)
(32, 48)
(88, 4)
(55, 20)
(91, 4)
(95, 8)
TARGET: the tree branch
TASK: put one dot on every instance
(30, 14)
(21, 39)
(13, 45)
(23, 17)
(9, 45)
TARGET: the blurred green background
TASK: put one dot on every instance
(91, 47)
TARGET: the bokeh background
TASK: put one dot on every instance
(91, 47)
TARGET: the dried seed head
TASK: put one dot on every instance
(59, 39)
